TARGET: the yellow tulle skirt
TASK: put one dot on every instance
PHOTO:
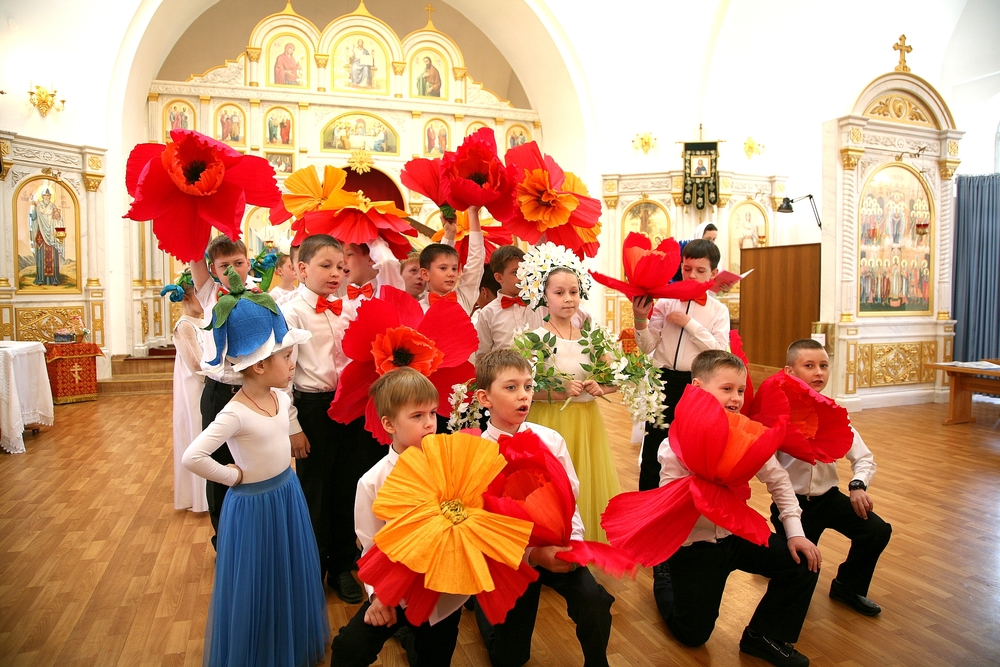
(581, 425)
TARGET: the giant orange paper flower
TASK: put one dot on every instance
(723, 450)
(818, 428)
(546, 205)
(436, 525)
(588, 235)
(403, 346)
(648, 272)
(494, 236)
(194, 183)
(305, 193)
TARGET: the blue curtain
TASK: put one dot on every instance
(976, 269)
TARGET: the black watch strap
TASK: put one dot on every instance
(857, 484)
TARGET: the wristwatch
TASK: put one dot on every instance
(857, 484)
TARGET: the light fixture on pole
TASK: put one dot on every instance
(786, 207)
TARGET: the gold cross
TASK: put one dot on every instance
(903, 50)
(75, 370)
(430, 10)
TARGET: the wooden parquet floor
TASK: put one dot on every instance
(98, 569)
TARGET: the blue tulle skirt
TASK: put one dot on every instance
(268, 605)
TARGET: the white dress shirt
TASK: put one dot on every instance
(707, 330)
(281, 295)
(320, 360)
(815, 480)
(772, 474)
(467, 289)
(366, 524)
(497, 325)
(208, 296)
(557, 445)
(387, 266)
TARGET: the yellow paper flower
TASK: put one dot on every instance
(436, 525)
(306, 194)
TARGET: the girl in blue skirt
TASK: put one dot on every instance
(268, 605)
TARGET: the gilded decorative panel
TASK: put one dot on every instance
(889, 364)
(145, 320)
(7, 322)
(899, 107)
(97, 322)
(40, 323)
(928, 355)
(864, 373)
(158, 317)
(851, 379)
(176, 310)
(625, 318)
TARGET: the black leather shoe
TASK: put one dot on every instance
(780, 654)
(346, 587)
(858, 603)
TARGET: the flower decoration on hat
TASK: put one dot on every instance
(475, 176)
(538, 262)
(818, 428)
(248, 327)
(176, 288)
(262, 267)
(194, 183)
(494, 236)
(392, 331)
(723, 450)
(648, 272)
(535, 486)
(546, 206)
(439, 537)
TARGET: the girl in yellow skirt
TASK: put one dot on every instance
(556, 278)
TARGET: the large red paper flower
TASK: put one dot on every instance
(648, 272)
(392, 331)
(476, 176)
(723, 450)
(535, 487)
(423, 175)
(545, 205)
(195, 183)
(818, 428)
(494, 236)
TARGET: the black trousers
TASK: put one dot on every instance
(587, 604)
(699, 573)
(214, 397)
(674, 383)
(358, 644)
(868, 537)
(339, 455)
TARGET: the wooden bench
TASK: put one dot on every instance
(964, 382)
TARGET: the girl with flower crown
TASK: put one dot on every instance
(268, 605)
(554, 277)
(189, 489)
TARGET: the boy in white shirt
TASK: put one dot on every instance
(824, 506)
(285, 272)
(439, 268)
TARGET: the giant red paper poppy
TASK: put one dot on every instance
(494, 236)
(476, 176)
(818, 428)
(648, 272)
(423, 175)
(723, 450)
(392, 331)
(194, 183)
(545, 205)
(535, 487)
(736, 347)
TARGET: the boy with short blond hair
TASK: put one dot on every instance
(406, 403)
(823, 504)
(505, 386)
(409, 268)
(286, 274)
(688, 587)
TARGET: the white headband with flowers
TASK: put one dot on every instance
(538, 262)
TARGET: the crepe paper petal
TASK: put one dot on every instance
(306, 193)
(699, 437)
(224, 211)
(402, 346)
(138, 160)
(724, 508)
(736, 347)
(257, 180)
(477, 177)
(818, 429)
(445, 378)
(423, 175)
(190, 243)
(406, 308)
(651, 525)
(395, 584)
(374, 425)
(448, 325)
(510, 585)
(611, 560)
(648, 272)
(432, 503)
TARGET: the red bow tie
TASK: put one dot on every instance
(434, 298)
(504, 437)
(508, 301)
(701, 300)
(335, 306)
(366, 291)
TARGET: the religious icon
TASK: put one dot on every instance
(230, 124)
(747, 229)
(425, 68)
(282, 162)
(360, 131)
(648, 217)
(894, 223)
(517, 135)
(278, 127)
(360, 65)
(47, 237)
(288, 58)
(474, 127)
(435, 137)
(177, 115)
(701, 182)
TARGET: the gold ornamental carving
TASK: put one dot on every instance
(611, 202)
(611, 186)
(253, 54)
(776, 202)
(537, 124)
(458, 73)
(953, 148)
(322, 60)
(722, 201)
(851, 376)
(4, 149)
(947, 168)
(398, 67)
(416, 207)
(415, 113)
(928, 355)
(943, 315)
(891, 364)
(903, 49)
(846, 317)
(899, 108)
(4, 171)
(152, 97)
(856, 135)
(850, 157)
(92, 181)
(864, 375)
(4, 282)
(145, 320)
(94, 162)
(360, 162)
(499, 121)
(38, 324)
(678, 198)
(176, 310)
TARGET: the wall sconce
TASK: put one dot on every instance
(751, 147)
(45, 101)
(786, 207)
(645, 141)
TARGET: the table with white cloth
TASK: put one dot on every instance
(25, 396)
